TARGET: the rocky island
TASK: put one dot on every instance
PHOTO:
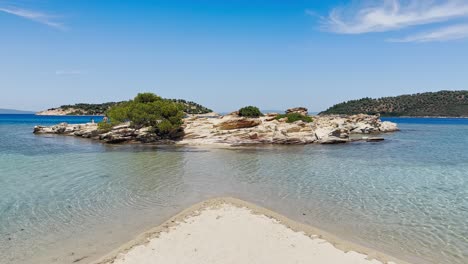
(245, 127)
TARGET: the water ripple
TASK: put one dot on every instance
(63, 195)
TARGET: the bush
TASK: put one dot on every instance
(293, 117)
(250, 111)
(104, 126)
(149, 110)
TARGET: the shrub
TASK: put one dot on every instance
(250, 111)
(149, 110)
(293, 117)
(104, 126)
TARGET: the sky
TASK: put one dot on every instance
(227, 54)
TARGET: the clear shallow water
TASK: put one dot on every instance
(65, 198)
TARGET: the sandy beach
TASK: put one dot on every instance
(228, 230)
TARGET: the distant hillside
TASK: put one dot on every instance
(443, 103)
(13, 111)
(100, 109)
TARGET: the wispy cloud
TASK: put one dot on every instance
(388, 15)
(68, 72)
(442, 34)
(36, 16)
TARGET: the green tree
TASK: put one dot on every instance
(250, 111)
(146, 98)
(150, 110)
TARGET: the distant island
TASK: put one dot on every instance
(14, 112)
(431, 104)
(84, 109)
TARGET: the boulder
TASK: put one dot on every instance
(90, 134)
(340, 133)
(331, 135)
(363, 128)
(387, 126)
(42, 130)
(60, 128)
(270, 117)
(299, 110)
(238, 123)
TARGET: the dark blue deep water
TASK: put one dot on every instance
(427, 121)
(45, 120)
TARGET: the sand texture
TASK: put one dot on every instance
(224, 231)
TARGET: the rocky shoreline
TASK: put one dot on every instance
(234, 130)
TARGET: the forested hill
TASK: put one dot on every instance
(100, 109)
(443, 103)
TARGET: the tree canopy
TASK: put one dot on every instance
(189, 107)
(149, 110)
(250, 111)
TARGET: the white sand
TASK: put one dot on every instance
(227, 233)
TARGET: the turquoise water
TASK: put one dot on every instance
(65, 198)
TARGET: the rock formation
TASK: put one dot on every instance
(235, 130)
(298, 110)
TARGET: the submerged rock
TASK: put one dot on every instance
(374, 139)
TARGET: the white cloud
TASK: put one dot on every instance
(68, 72)
(34, 16)
(442, 34)
(388, 15)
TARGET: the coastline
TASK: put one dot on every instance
(339, 245)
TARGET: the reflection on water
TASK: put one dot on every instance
(64, 198)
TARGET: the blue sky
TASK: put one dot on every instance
(226, 54)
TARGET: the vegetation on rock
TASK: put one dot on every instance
(104, 126)
(293, 117)
(250, 111)
(149, 110)
(443, 103)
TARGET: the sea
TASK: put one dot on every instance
(72, 200)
